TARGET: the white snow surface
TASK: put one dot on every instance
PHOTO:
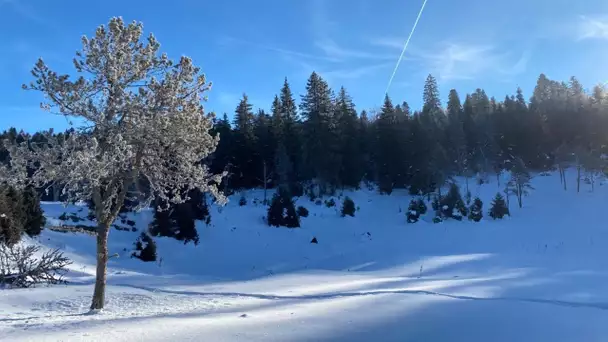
(539, 275)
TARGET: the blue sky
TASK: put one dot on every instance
(250, 46)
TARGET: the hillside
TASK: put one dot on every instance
(539, 275)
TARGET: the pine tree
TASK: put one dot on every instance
(245, 143)
(11, 224)
(321, 154)
(387, 166)
(456, 136)
(291, 134)
(222, 160)
(452, 205)
(499, 207)
(145, 248)
(32, 212)
(416, 208)
(520, 181)
(282, 211)
(476, 210)
(432, 103)
(348, 207)
(352, 162)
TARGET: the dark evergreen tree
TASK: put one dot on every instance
(32, 212)
(321, 153)
(291, 136)
(282, 211)
(387, 166)
(499, 207)
(11, 224)
(348, 207)
(452, 205)
(416, 208)
(244, 152)
(145, 248)
(476, 210)
(353, 162)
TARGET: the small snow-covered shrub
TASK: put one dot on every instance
(145, 248)
(330, 203)
(436, 203)
(302, 211)
(452, 205)
(242, 201)
(348, 207)
(499, 207)
(21, 268)
(416, 208)
(476, 210)
(282, 211)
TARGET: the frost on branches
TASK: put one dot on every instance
(144, 132)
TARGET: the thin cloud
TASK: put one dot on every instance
(227, 41)
(25, 10)
(334, 51)
(593, 28)
(389, 42)
(466, 62)
(354, 73)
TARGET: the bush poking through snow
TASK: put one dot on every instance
(20, 268)
(145, 248)
(348, 207)
(302, 211)
(282, 211)
(476, 210)
(330, 203)
(499, 207)
(416, 208)
(242, 201)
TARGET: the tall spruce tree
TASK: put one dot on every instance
(321, 155)
(291, 136)
(244, 151)
(387, 166)
(351, 157)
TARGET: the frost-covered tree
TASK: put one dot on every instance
(519, 184)
(141, 117)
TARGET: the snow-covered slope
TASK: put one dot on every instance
(537, 276)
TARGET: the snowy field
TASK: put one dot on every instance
(540, 275)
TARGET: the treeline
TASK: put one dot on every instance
(321, 143)
(324, 144)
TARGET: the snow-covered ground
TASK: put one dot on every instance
(540, 275)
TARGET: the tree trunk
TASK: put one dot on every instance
(102, 264)
(578, 178)
(265, 184)
(56, 192)
(519, 195)
(564, 176)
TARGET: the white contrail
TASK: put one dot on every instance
(407, 42)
